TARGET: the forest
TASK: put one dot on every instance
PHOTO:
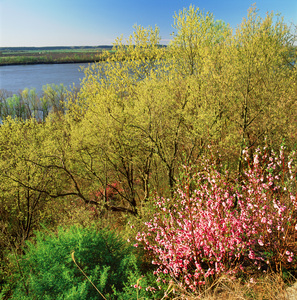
(170, 173)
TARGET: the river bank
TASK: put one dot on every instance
(50, 55)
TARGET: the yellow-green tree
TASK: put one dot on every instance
(25, 186)
(258, 83)
(102, 118)
(196, 40)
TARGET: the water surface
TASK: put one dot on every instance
(17, 78)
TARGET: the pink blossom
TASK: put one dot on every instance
(202, 235)
(252, 280)
(260, 242)
(263, 220)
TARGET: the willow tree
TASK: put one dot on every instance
(197, 54)
(258, 83)
(102, 117)
(25, 185)
(196, 39)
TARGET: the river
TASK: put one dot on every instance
(17, 78)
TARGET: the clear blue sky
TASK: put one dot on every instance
(99, 22)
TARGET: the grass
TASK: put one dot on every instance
(268, 287)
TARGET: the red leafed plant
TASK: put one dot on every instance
(214, 225)
(109, 193)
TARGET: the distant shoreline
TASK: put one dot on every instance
(10, 56)
(48, 63)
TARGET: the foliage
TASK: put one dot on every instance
(213, 226)
(196, 38)
(48, 271)
(22, 180)
(258, 83)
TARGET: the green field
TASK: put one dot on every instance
(49, 55)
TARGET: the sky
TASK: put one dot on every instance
(99, 22)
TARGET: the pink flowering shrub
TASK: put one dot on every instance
(214, 226)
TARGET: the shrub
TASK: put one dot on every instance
(213, 226)
(49, 272)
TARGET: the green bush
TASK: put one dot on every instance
(47, 270)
